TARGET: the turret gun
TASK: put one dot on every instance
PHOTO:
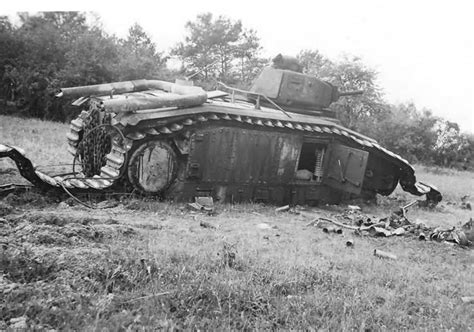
(285, 85)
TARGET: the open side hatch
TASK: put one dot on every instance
(345, 168)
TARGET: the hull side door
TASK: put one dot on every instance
(345, 168)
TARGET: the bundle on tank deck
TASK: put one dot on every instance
(278, 142)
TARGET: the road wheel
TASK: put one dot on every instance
(152, 167)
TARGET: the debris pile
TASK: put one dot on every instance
(396, 224)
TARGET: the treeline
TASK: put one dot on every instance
(49, 50)
(45, 51)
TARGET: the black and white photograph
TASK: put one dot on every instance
(223, 165)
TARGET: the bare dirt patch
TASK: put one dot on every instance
(146, 264)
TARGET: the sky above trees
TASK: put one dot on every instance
(423, 50)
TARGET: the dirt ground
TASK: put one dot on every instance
(137, 263)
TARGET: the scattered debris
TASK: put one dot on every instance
(467, 299)
(465, 204)
(404, 208)
(354, 207)
(264, 226)
(18, 323)
(379, 231)
(332, 230)
(399, 231)
(205, 224)
(468, 229)
(451, 235)
(397, 224)
(6, 189)
(282, 208)
(202, 204)
(63, 205)
(313, 223)
(205, 201)
(469, 225)
(339, 224)
(384, 254)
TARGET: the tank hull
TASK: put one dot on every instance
(230, 150)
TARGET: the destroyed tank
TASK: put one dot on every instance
(279, 143)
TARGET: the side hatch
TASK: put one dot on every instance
(345, 168)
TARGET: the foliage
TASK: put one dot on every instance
(220, 48)
(451, 146)
(348, 74)
(138, 57)
(56, 49)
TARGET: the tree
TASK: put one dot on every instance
(89, 60)
(451, 145)
(11, 48)
(216, 46)
(138, 57)
(360, 112)
(407, 131)
(314, 63)
(246, 53)
(46, 38)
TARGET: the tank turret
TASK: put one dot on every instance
(286, 85)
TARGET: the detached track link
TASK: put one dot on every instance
(115, 160)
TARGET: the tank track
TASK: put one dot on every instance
(116, 160)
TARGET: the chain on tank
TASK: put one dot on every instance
(96, 142)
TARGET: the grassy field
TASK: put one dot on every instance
(147, 264)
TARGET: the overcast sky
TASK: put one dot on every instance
(423, 50)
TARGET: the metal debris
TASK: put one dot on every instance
(397, 224)
(5, 189)
(467, 299)
(202, 204)
(354, 207)
(264, 226)
(329, 229)
(282, 208)
(465, 204)
(450, 235)
(205, 224)
(405, 207)
(384, 254)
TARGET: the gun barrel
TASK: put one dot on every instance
(351, 93)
